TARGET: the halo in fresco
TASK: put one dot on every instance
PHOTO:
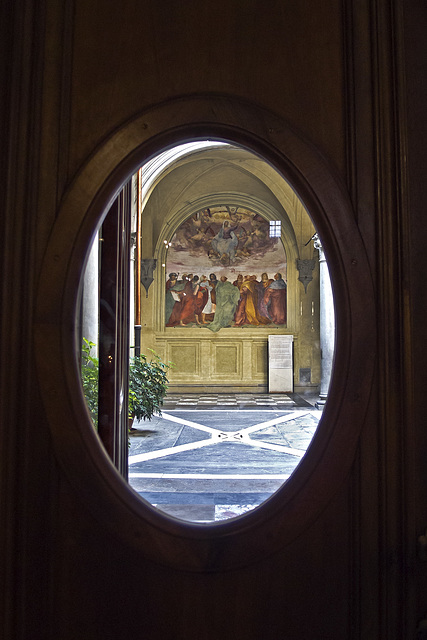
(225, 270)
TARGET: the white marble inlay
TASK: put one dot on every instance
(211, 476)
(242, 436)
(226, 511)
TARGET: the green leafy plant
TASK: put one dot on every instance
(148, 384)
(90, 377)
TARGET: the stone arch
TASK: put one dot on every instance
(176, 218)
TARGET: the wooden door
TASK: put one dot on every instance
(114, 274)
(93, 92)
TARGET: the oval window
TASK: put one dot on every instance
(207, 331)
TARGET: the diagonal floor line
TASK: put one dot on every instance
(188, 423)
(256, 427)
(160, 453)
(275, 447)
(274, 421)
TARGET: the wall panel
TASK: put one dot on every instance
(227, 360)
(227, 364)
(186, 359)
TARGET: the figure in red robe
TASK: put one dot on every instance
(275, 300)
(179, 292)
(201, 295)
(188, 301)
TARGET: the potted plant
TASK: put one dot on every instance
(148, 384)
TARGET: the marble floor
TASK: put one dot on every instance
(238, 400)
(213, 457)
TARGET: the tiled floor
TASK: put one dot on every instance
(238, 400)
(212, 457)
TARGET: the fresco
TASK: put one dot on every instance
(224, 270)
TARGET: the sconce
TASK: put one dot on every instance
(305, 268)
(147, 269)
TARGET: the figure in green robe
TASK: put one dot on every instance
(227, 297)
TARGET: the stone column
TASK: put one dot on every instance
(327, 325)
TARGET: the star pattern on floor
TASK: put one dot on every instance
(205, 464)
(218, 436)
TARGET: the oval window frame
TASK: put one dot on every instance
(279, 520)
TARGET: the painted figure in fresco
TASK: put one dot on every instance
(225, 242)
(209, 306)
(190, 290)
(275, 298)
(227, 297)
(239, 281)
(261, 289)
(199, 230)
(254, 238)
(173, 279)
(213, 282)
(200, 296)
(247, 310)
(178, 292)
(169, 300)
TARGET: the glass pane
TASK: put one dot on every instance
(231, 329)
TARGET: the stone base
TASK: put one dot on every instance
(321, 403)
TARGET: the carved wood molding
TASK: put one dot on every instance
(376, 152)
(327, 462)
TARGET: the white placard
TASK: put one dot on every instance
(280, 364)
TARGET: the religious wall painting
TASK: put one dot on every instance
(226, 267)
